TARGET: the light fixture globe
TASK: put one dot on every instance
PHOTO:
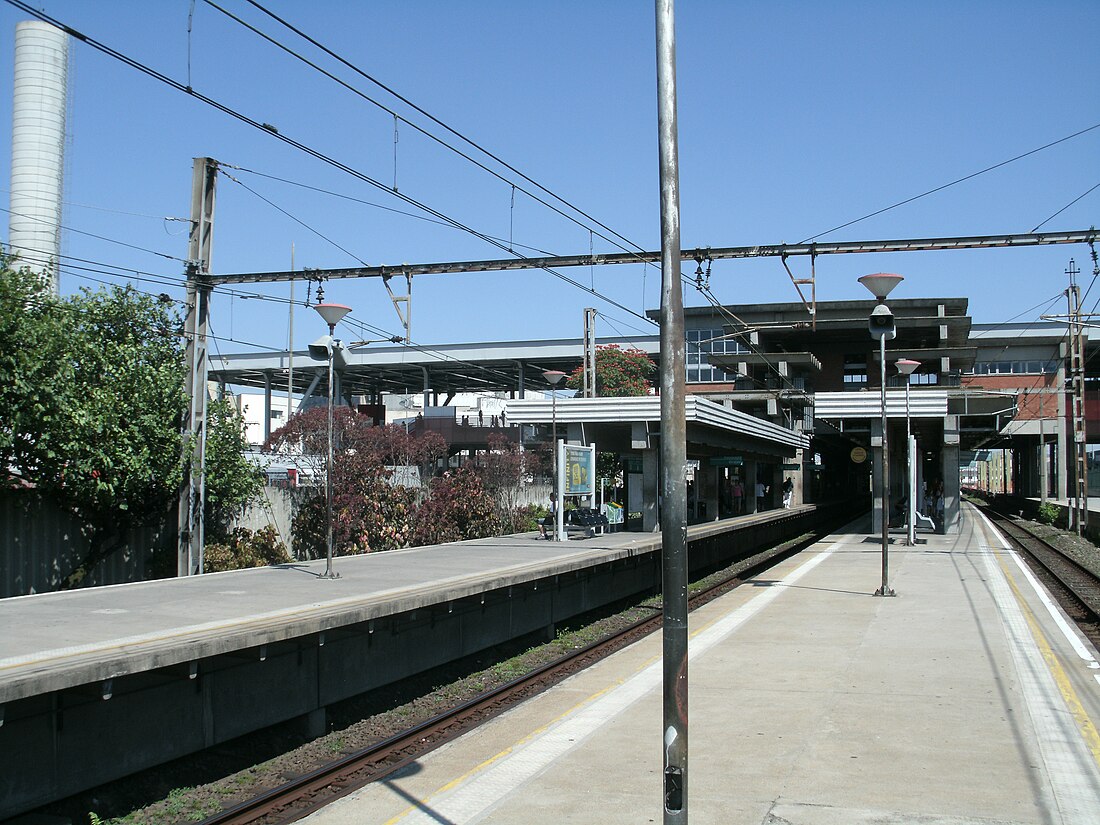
(332, 313)
(554, 377)
(906, 366)
(881, 284)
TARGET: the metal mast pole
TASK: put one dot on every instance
(290, 345)
(673, 512)
(885, 589)
(1077, 369)
(1042, 452)
(329, 574)
(189, 560)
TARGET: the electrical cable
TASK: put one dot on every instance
(952, 183)
(92, 234)
(296, 144)
(297, 220)
(435, 120)
(147, 70)
(366, 203)
(1064, 208)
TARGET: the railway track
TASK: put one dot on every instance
(305, 794)
(1078, 586)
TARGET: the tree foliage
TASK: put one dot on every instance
(370, 511)
(92, 393)
(619, 372)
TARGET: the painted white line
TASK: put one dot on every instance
(1070, 769)
(1056, 614)
(503, 776)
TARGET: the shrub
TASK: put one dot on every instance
(1048, 513)
(245, 548)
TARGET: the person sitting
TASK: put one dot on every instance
(550, 520)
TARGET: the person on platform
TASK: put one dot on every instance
(761, 491)
(550, 520)
(788, 493)
(738, 496)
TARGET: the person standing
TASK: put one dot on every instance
(788, 493)
(760, 492)
(738, 496)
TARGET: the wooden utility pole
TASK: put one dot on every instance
(193, 431)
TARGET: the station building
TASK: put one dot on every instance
(986, 405)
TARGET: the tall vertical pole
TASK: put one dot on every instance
(1042, 452)
(1077, 369)
(885, 590)
(911, 502)
(193, 430)
(329, 574)
(290, 344)
(673, 512)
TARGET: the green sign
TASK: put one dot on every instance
(726, 461)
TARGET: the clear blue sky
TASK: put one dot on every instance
(795, 117)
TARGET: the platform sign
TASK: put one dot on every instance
(580, 470)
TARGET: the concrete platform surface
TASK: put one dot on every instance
(968, 699)
(61, 640)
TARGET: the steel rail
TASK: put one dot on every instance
(1082, 584)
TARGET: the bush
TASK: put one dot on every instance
(243, 549)
(1048, 513)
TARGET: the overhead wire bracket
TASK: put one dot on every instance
(811, 305)
(403, 314)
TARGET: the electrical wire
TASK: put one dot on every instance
(1067, 206)
(952, 183)
(297, 220)
(147, 70)
(91, 234)
(117, 211)
(372, 204)
(433, 119)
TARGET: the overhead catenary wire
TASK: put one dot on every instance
(265, 128)
(1067, 206)
(431, 117)
(93, 235)
(372, 204)
(954, 182)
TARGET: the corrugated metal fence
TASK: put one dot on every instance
(41, 544)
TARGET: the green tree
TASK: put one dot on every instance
(619, 372)
(92, 392)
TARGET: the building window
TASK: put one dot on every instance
(1016, 368)
(855, 371)
(701, 343)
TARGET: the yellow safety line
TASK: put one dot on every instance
(1088, 730)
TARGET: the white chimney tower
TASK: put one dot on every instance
(38, 146)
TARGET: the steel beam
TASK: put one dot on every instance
(712, 253)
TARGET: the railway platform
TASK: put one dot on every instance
(967, 699)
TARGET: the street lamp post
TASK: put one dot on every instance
(881, 325)
(907, 366)
(325, 348)
(553, 378)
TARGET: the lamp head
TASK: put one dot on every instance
(332, 313)
(554, 377)
(881, 284)
(906, 366)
